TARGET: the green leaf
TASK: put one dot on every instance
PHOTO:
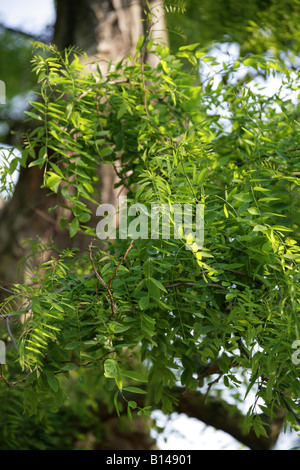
(74, 227)
(135, 390)
(111, 368)
(189, 47)
(53, 382)
(53, 181)
(259, 228)
(258, 427)
(144, 302)
(34, 115)
(132, 404)
(249, 62)
(201, 176)
(243, 197)
(85, 217)
(158, 284)
(122, 111)
(134, 375)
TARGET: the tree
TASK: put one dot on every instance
(153, 321)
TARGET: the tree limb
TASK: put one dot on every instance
(225, 417)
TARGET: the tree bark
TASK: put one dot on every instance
(104, 29)
(219, 414)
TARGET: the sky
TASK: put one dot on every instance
(180, 433)
(30, 16)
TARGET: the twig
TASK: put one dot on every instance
(290, 409)
(249, 276)
(186, 283)
(121, 262)
(13, 384)
(13, 292)
(111, 302)
(180, 283)
(10, 333)
(211, 384)
(92, 362)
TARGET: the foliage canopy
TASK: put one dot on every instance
(135, 323)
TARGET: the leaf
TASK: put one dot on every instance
(53, 181)
(53, 382)
(116, 403)
(259, 228)
(225, 211)
(111, 368)
(158, 284)
(85, 217)
(132, 404)
(74, 227)
(243, 197)
(144, 302)
(140, 43)
(34, 115)
(258, 427)
(253, 210)
(122, 111)
(249, 62)
(135, 390)
(201, 176)
(190, 47)
(134, 375)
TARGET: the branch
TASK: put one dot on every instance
(111, 302)
(186, 283)
(219, 414)
(121, 262)
(14, 384)
(29, 36)
(10, 333)
(225, 417)
(217, 286)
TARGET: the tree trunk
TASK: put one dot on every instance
(104, 29)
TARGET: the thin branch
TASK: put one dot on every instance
(221, 415)
(290, 409)
(121, 262)
(13, 384)
(10, 333)
(211, 384)
(78, 364)
(21, 33)
(186, 283)
(13, 292)
(102, 282)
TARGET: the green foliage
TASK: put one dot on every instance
(16, 53)
(257, 26)
(16, 73)
(144, 318)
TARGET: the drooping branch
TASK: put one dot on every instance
(222, 416)
(26, 35)
(225, 417)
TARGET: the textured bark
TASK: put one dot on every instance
(219, 414)
(104, 29)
